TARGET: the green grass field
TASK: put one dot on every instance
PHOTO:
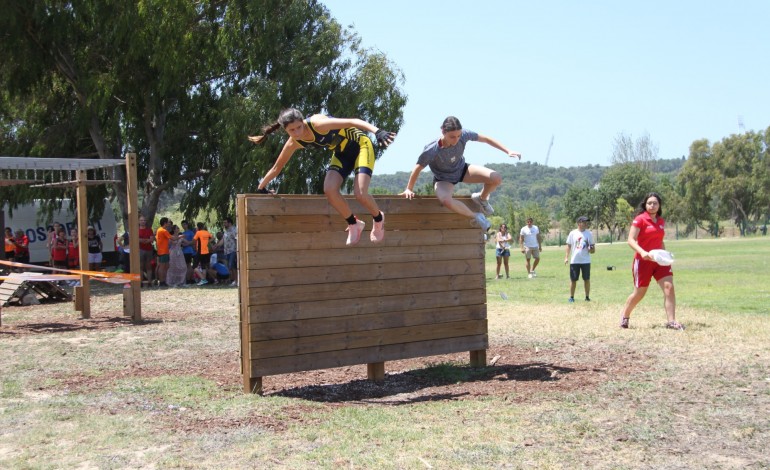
(720, 275)
(570, 389)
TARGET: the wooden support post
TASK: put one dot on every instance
(133, 307)
(82, 295)
(250, 384)
(255, 385)
(479, 358)
(376, 372)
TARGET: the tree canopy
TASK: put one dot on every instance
(182, 83)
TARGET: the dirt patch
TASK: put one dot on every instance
(518, 374)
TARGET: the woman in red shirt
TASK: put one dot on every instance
(646, 233)
(73, 254)
(59, 250)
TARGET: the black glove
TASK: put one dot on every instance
(263, 191)
(383, 137)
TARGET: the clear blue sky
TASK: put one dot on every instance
(581, 71)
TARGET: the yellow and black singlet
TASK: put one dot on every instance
(351, 146)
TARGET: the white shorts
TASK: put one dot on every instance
(94, 258)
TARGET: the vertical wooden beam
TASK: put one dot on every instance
(478, 358)
(133, 307)
(376, 372)
(83, 294)
(250, 384)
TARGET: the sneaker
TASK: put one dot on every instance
(378, 230)
(534, 274)
(530, 275)
(499, 276)
(354, 232)
(571, 300)
(675, 325)
(624, 322)
(202, 282)
(480, 221)
(234, 284)
(588, 299)
(486, 208)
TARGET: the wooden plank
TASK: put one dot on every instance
(330, 275)
(375, 321)
(285, 204)
(316, 223)
(304, 259)
(251, 383)
(293, 311)
(301, 241)
(365, 338)
(364, 290)
(391, 352)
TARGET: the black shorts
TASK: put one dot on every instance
(576, 269)
(462, 177)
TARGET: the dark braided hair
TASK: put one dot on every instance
(285, 117)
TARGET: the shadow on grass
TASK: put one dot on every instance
(401, 385)
(25, 329)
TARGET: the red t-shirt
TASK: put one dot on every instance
(650, 233)
(59, 250)
(23, 246)
(145, 233)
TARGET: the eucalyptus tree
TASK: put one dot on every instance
(729, 179)
(183, 83)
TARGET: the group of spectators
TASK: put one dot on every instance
(16, 246)
(63, 249)
(177, 256)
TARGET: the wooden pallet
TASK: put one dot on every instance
(17, 285)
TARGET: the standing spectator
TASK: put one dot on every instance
(231, 249)
(9, 245)
(21, 248)
(177, 269)
(503, 249)
(446, 159)
(94, 250)
(646, 234)
(202, 240)
(188, 248)
(162, 239)
(146, 250)
(53, 232)
(219, 245)
(73, 253)
(124, 254)
(531, 243)
(580, 245)
(59, 250)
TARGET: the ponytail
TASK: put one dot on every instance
(267, 130)
(285, 117)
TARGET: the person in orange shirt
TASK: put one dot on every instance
(162, 238)
(9, 245)
(201, 239)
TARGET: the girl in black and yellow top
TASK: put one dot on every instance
(352, 151)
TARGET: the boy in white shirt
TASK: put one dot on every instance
(580, 245)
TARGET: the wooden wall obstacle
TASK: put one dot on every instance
(309, 302)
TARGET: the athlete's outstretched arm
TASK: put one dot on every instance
(325, 123)
(283, 158)
(496, 144)
(409, 191)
